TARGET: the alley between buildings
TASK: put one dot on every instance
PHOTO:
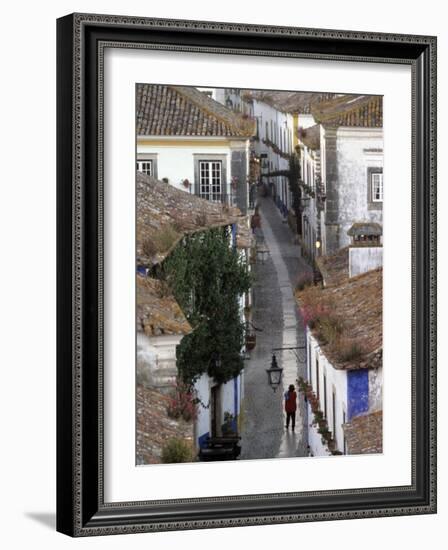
(275, 314)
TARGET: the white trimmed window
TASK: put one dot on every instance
(376, 185)
(210, 180)
(145, 166)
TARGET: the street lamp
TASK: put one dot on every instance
(274, 374)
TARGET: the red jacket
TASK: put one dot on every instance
(290, 401)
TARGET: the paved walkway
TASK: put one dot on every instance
(275, 312)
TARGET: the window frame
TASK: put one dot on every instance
(148, 157)
(371, 202)
(210, 158)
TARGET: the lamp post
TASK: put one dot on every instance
(274, 374)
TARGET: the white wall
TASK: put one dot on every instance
(376, 389)
(305, 121)
(28, 466)
(176, 162)
(146, 360)
(336, 380)
(310, 169)
(317, 448)
(352, 164)
(364, 258)
(228, 398)
(280, 132)
(202, 387)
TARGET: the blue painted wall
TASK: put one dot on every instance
(202, 440)
(143, 270)
(234, 233)
(357, 392)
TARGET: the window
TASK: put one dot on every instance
(210, 180)
(145, 166)
(317, 378)
(376, 184)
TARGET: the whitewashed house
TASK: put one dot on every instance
(161, 324)
(342, 169)
(273, 142)
(194, 143)
(312, 208)
(344, 357)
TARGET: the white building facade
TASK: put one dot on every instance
(187, 139)
(342, 171)
(343, 395)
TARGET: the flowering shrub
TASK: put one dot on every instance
(182, 403)
(311, 313)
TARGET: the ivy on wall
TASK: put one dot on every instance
(207, 277)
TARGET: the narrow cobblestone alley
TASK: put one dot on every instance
(275, 313)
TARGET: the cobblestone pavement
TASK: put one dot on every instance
(275, 313)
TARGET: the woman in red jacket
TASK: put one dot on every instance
(290, 406)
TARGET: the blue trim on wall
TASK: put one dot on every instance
(234, 234)
(357, 392)
(203, 439)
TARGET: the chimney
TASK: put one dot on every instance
(366, 249)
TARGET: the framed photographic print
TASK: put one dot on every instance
(246, 274)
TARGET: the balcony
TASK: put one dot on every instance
(229, 199)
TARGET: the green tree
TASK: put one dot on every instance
(208, 276)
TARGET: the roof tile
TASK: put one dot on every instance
(185, 111)
(350, 110)
(364, 434)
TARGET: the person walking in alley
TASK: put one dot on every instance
(291, 406)
(255, 221)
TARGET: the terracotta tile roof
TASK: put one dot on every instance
(310, 136)
(334, 268)
(288, 102)
(165, 214)
(355, 309)
(158, 312)
(365, 228)
(185, 111)
(364, 434)
(350, 110)
(155, 427)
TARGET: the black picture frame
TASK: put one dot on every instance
(81, 510)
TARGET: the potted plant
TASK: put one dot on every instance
(228, 428)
